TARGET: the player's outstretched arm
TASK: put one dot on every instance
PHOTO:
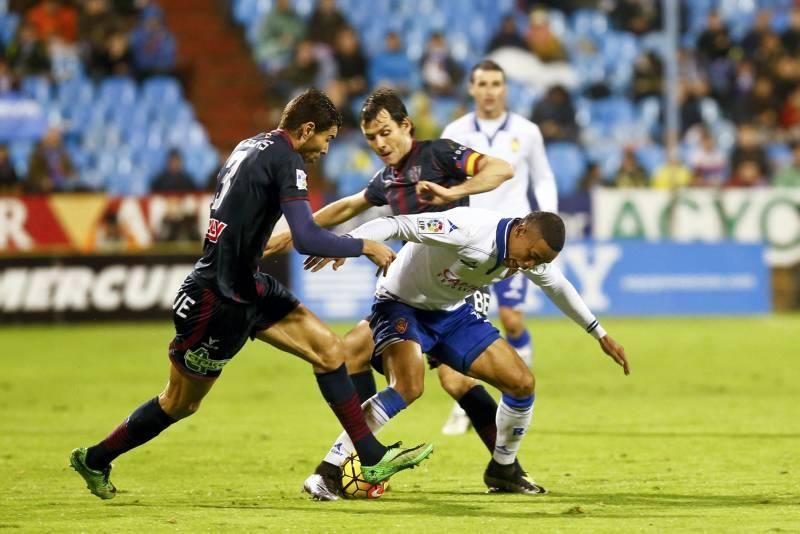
(378, 253)
(564, 295)
(334, 213)
(491, 173)
(315, 241)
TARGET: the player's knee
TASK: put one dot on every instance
(454, 383)
(329, 355)
(524, 386)
(512, 320)
(410, 390)
(357, 357)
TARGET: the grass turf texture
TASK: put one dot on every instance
(705, 435)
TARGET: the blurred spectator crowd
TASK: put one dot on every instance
(90, 96)
(590, 73)
(89, 100)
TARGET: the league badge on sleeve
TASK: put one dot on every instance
(302, 180)
(430, 226)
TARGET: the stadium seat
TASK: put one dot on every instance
(161, 92)
(779, 154)
(619, 48)
(74, 92)
(608, 156)
(589, 22)
(569, 164)
(117, 90)
(651, 157)
(37, 88)
(9, 22)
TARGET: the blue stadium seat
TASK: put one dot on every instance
(78, 89)
(161, 92)
(117, 90)
(608, 156)
(610, 112)
(91, 179)
(651, 157)
(589, 22)
(779, 154)
(9, 22)
(20, 152)
(37, 88)
(648, 114)
(569, 164)
(619, 47)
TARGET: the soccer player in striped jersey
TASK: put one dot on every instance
(225, 300)
(494, 130)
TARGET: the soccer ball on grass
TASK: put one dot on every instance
(353, 484)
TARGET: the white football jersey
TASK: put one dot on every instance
(452, 254)
(519, 142)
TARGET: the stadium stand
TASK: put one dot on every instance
(118, 123)
(613, 71)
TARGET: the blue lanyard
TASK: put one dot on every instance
(490, 137)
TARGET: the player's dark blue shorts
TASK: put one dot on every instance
(455, 338)
(511, 291)
(210, 330)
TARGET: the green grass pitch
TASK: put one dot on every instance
(704, 435)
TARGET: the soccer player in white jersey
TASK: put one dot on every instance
(419, 307)
(494, 130)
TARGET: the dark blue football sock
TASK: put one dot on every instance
(145, 423)
(340, 393)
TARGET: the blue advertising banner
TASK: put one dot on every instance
(614, 278)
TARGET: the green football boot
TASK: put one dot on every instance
(97, 481)
(394, 461)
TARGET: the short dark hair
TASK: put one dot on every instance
(312, 105)
(550, 226)
(486, 64)
(387, 99)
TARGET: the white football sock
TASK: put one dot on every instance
(512, 424)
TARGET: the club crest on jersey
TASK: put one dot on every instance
(430, 226)
(401, 325)
(215, 229)
(302, 180)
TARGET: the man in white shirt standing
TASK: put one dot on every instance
(493, 130)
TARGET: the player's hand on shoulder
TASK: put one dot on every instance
(435, 194)
(278, 244)
(616, 351)
(379, 254)
(317, 263)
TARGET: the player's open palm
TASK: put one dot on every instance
(616, 351)
(278, 243)
(379, 254)
(434, 194)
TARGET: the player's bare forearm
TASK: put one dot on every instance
(342, 210)
(491, 173)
